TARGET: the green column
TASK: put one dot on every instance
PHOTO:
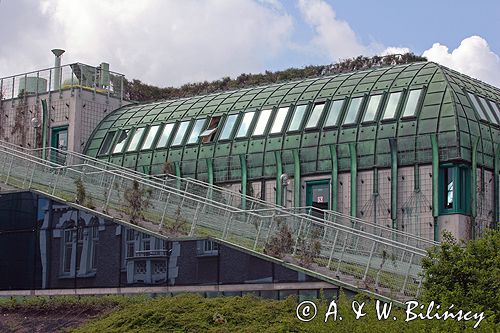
(335, 176)
(496, 189)
(394, 182)
(44, 128)
(243, 163)
(435, 184)
(210, 172)
(279, 172)
(296, 178)
(354, 178)
(473, 188)
(177, 167)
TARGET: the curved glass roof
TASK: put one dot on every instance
(406, 102)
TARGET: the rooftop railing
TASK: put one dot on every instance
(75, 76)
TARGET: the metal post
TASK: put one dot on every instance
(333, 155)
(258, 234)
(10, 168)
(109, 193)
(407, 274)
(243, 164)
(56, 180)
(473, 188)
(164, 212)
(394, 182)
(296, 178)
(435, 184)
(226, 226)
(369, 260)
(298, 236)
(195, 219)
(354, 178)
(333, 248)
(279, 171)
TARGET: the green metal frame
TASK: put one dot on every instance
(354, 178)
(394, 182)
(496, 196)
(335, 174)
(279, 172)
(461, 173)
(296, 178)
(435, 184)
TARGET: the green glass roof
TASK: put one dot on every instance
(407, 102)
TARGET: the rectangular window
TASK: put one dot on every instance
(262, 121)
(106, 145)
(228, 127)
(148, 142)
(315, 116)
(495, 108)
(195, 132)
(297, 117)
(136, 138)
(392, 105)
(209, 134)
(68, 249)
(122, 139)
(245, 125)
(279, 120)
(448, 188)
(165, 135)
(488, 110)
(181, 131)
(412, 103)
(352, 111)
(334, 112)
(476, 105)
(372, 108)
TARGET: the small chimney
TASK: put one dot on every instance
(57, 70)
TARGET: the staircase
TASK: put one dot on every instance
(339, 249)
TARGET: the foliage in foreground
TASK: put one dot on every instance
(465, 274)
(192, 313)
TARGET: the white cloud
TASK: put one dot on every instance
(163, 42)
(472, 57)
(395, 50)
(333, 36)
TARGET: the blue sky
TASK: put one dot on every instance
(171, 42)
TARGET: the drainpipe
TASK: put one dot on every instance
(296, 178)
(57, 68)
(44, 129)
(496, 189)
(354, 178)
(335, 174)
(394, 182)
(243, 164)
(279, 172)
(435, 184)
(473, 188)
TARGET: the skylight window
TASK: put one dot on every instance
(297, 117)
(334, 112)
(181, 131)
(195, 132)
(165, 135)
(208, 134)
(495, 108)
(392, 105)
(136, 139)
(148, 142)
(352, 112)
(228, 127)
(488, 109)
(260, 128)
(279, 120)
(315, 115)
(412, 103)
(476, 106)
(372, 108)
(106, 145)
(245, 125)
(122, 139)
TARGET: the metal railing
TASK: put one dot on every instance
(178, 207)
(73, 76)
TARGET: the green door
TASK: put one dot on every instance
(318, 195)
(59, 141)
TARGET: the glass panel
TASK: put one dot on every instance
(279, 119)
(372, 108)
(488, 109)
(179, 136)
(136, 139)
(315, 115)
(334, 112)
(477, 107)
(411, 104)
(245, 125)
(260, 128)
(448, 190)
(195, 133)
(298, 114)
(495, 108)
(122, 139)
(165, 135)
(352, 112)
(108, 140)
(228, 127)
(150, 137)
(392, 105)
